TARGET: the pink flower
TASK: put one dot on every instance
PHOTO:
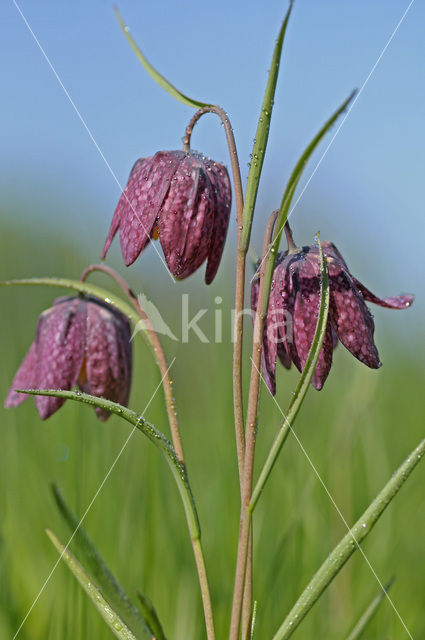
(182, 198)
(293, 309)
(79, 341)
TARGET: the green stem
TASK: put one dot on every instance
(175, 430)
(157, 350)
(245, 520)
(177, 469)
(348, 545)
(240, 276)
(302, 386)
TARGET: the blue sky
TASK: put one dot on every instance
(367, 194)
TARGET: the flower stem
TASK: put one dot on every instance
(251, 428)
(240, 275)
(175, 431)
(231, 143)
(292, 247)
(303, 385)
(158, 350)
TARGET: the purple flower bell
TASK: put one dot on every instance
(293, 310)
(78, 341)
(182, 198)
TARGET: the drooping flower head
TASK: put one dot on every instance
(78, 341)
(182, 198)
(293, 310)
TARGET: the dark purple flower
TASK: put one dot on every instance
(293, 310)
(184, 198)
(79, 341)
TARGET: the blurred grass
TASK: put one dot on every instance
(356, 432)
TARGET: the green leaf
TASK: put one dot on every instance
(299, 168)
(254, 620)
(370, 611)
(86, 289)
(303, 383)
(261, 136)
(151, 617)
(348, 545)
(153, 434)
(159, 79)
(95, 565)
(114, 622)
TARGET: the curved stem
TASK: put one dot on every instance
(174, 427)
(240, 276)
(251, 427)
(292, 247)
(232, 150)
(157, 347)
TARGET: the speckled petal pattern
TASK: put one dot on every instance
(283, 355)
(137, 175)
(146, 194)
(24, 379)
(197, 236)
(176, 212)
(186, 198)
(223, 202)
(78, 340)
(187, 218)
(351, 318)
(393, 302)
(108, 358)
(294, 304)
(60, 339)
(306, 310)
(282, 300)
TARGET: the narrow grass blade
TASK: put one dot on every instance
(348, 545)
(86, 289)
(299, 168)
(370, 611)
(153, 434)
(95, 565)
(303, 383)
(151, 617)
(114, 622)
(261, 136)
(289, 193)
(253, 620)
(159, 79)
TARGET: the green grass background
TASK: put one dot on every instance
(356, 432)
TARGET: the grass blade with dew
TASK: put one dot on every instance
(299, 168)
(152, 433)
(114, 622)
(261, 136)
(102, 576)
(348, 545)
